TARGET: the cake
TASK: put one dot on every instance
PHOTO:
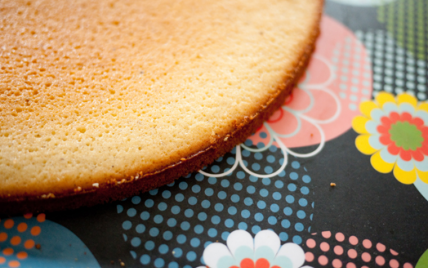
(102, 100)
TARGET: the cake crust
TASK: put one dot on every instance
(140, 181)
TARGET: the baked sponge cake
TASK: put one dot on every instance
(100, 100)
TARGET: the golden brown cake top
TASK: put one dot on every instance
(95, 90)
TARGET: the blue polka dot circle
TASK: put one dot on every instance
(170, 226)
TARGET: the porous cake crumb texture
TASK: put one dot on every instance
(92, 91)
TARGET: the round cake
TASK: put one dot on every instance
(101, 100)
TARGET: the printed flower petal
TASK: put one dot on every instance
(405, 165)
(423, 175)
(386, 121)
(424, 130)
(387, 156)
(359, 124)
(384, 97)
(417, 122)
(366, 107)
(422, 115)
(382, 129)
(407, 107)
(405, 155)
(417, 155)
(393, 149)
(247, 263)
(405, 177)
(377, 114)
(293, 252)
(422, 165)
(282, 262)
(379, 164)
(405, 116)
(423, 189)
(407, 98)
(371, 127)
(424, 148)
(217, 255)
(423, 107)
(375, 142)
(385, 139)
(363, 144)
(393, 116)
(262, 263)
(241, 245)
(390, 107)
(266, 245)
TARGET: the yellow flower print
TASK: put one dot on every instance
(394, 130)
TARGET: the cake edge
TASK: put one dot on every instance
(114, 190)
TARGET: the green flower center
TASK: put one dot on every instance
(406, 135)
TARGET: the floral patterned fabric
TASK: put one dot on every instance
(394, 130)
(337, 177)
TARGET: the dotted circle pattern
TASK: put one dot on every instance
(18, 238)
(184, 217)
(339, 250)
(354, 72)
(395, 70)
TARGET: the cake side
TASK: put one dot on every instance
(139, 182)
(66, 193)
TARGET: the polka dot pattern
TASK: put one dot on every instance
(395, 70)
(353, 71)
(327, 249)
(17, 238)
(199, 209)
